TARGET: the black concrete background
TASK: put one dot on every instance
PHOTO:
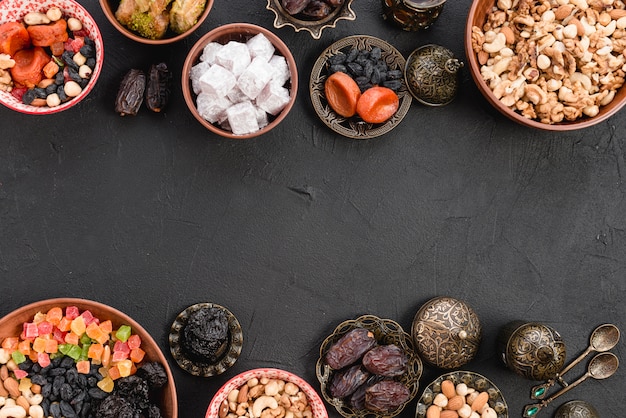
(301, 229)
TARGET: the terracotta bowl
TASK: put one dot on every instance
(239, 32)
(476, 17)
(110, 6)
(317, 405)
(11, 326)
(14, 11)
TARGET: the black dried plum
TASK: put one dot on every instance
(386, 396)
(131, 92)
(205, 335)
(345, 382)
(135, 390)
(350, 348)
(115, 406)
(159, 86)
(386, 360)
(153, 411)
(154, 373)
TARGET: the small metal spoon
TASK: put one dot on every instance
(601, 366)
(603, 338)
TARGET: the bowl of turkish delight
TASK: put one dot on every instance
(77, 357)
(266, 393)
(368, 367)
(240, 80)
(51, 55)
(156, 22)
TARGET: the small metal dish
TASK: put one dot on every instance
(314, 27)
(354, 127)
(385, 331)
(235, 343)
(472, 380)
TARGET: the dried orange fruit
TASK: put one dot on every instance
(342, 94)
(377, 104)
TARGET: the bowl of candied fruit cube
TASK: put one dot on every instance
(266, 393)
(157, 22)
(77, 357)
(312, 16)
(240, 81)
(368, 368)
(51, 55)
(558, 66)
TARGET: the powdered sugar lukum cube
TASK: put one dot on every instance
(212, 108)
(210, 51)
(242, 118)
(236, 95)
(195, 73)
(273, 98)
(260, 46)
(255, 77)
(234, 56)
(217, 80)
(280, 68)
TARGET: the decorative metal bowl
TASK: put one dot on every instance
(313, 26)
(472, 380)
(385, 331)
(355, 127)
(235, 343)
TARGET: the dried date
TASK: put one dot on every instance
(131, 92)
(294, 7)
(345, 382)
(386, 360)
(386, 396)
(158, 87)
(350, 348)
(317, 9)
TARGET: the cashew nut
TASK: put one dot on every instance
(12, 412)
(496, 45)
(260, 404)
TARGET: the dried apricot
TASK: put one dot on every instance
(28, 66)
(377, 104)
(13, 37)
(342, 94)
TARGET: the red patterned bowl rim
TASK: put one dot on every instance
(317, 405)
(14, 10)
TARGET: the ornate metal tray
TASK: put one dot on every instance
(354, 127)
(314, 27)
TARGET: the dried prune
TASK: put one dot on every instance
(386, 396)
(154, 373)
(350, 348)
(386, 360)
(159, 85)
(131, 92)
(345, 382)
(205, 335)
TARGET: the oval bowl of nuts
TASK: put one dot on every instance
(266, 393)
(371, 63)
(51, 55)
(312, 16)
(240, 80)
(465, 393)
(72, 336)
(557, 68)
(368, 368)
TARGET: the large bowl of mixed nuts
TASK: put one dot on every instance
(266, 393)
(556, 66)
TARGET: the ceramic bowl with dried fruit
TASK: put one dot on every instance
(38, 39)
(374, 65)
(240, 81)
(554, 68)
(462, 393)
(368, 367)
(312, 16)
(163, 23)
(266, 392)
(54, 325)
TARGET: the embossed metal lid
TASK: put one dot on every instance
(446, 332)
(576, 409)
(431, 75)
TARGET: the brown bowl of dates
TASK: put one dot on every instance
(312, 16)
(368, 368)
(156, 22)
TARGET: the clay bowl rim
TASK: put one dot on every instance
(476, 17)
(108, 11)
(317, 405)
(94, 33)
(225, 33)
(18, 316)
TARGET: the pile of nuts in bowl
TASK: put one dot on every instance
(266, 398)
(555, 60)
(460, 401)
